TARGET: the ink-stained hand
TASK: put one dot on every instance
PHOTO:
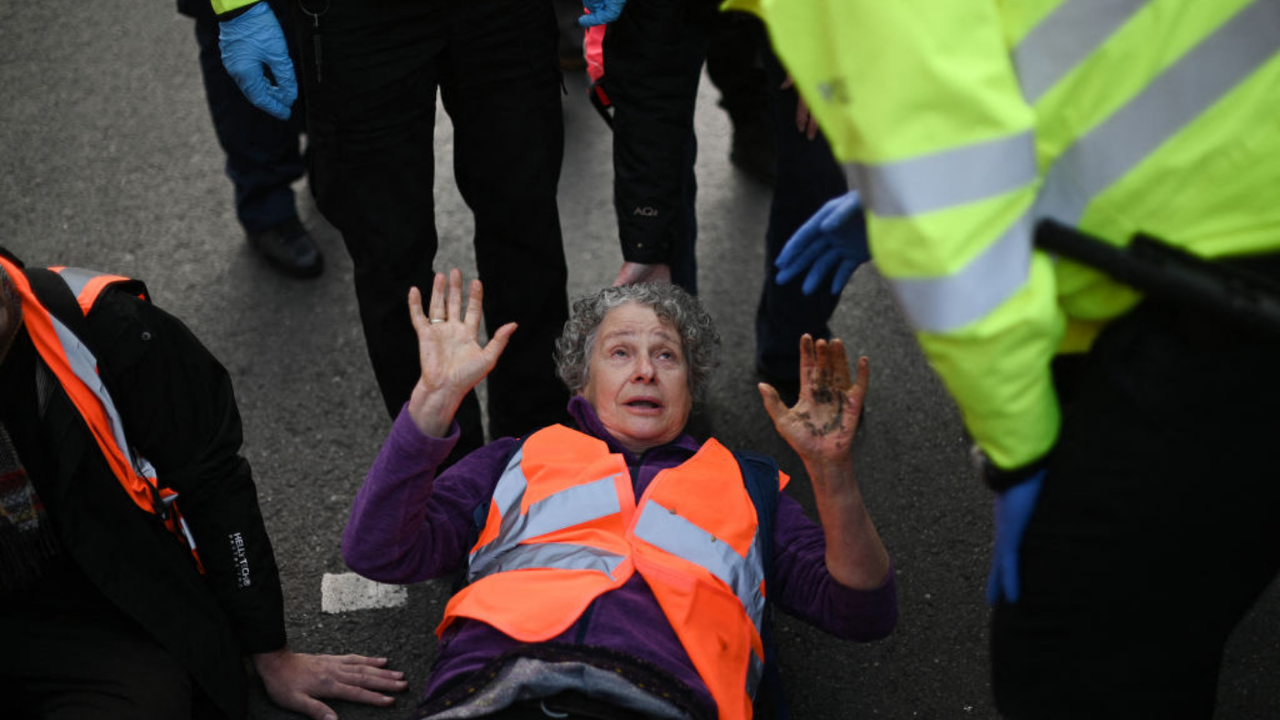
(821, 426)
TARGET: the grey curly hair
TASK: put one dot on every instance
(698, 335)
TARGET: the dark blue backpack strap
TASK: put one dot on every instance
(760, 475)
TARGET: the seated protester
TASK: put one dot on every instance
(615, 569)
(135, 569)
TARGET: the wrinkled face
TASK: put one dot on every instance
(637, 379)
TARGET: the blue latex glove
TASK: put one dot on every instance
(1013, 509)
(602, 12)
(833, 240)
(248, 42)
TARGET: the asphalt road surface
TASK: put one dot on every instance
(108, 160)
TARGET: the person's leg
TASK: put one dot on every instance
(262, 153)
(60, 666)
(653, 56)
(807, 177)
(1153, 534)
(735, 66)
(501, 86)
(371, 118)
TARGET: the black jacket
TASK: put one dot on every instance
(179, 412)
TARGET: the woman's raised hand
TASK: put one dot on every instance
(822, 424)
(452, 360)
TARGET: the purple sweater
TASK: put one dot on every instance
(407, 526)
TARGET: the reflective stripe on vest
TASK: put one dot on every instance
(76, 369)
(943, 180)
(1168, 104)
(1085, 170)
(1065, 38)
(563, 510)
(564, 515)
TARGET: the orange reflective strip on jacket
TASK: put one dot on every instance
(76, 370)
(564, 528)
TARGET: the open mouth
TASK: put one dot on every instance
(643, 404)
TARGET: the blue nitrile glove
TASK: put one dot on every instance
(602, 12)
(1013, 509)
(835, 238)
(248, 42)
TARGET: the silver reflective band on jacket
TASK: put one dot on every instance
(85, 366)
(1088, 167)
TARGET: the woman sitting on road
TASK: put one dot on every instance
(615, 570)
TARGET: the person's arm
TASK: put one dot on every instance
(804, 588)
(405, 525)
(180, 414)
(821, 428)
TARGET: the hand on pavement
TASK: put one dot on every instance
(295, 681)
(248, 42)
(831, 243)
(1013, 509)
(602, 12)
(632, 273)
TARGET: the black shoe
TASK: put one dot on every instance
(289, 248)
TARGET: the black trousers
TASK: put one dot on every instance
(1155, 529)
(69, 654)
(653, 57)
(263, 156)
(807, 177)
(371, 96)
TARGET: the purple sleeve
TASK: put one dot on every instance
(407, 525)
(805, 589)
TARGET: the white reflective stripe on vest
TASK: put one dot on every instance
(77, 278)
(943, 180)
(559, 556)
(945, 303)
(1065, 38)
(1173, 100)
(664, 529)
(85, 366)
(571, 506)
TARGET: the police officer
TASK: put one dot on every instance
(1126, 436)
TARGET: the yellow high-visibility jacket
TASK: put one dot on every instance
(963, 122)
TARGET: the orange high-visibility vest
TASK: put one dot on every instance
(564, 516)
(76, 369)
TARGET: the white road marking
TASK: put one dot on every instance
(348, 591)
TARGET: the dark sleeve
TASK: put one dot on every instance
(180, 414)
(805, 589)
(653, 57)
(406, 524)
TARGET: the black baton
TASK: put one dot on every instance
(1171, 274)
